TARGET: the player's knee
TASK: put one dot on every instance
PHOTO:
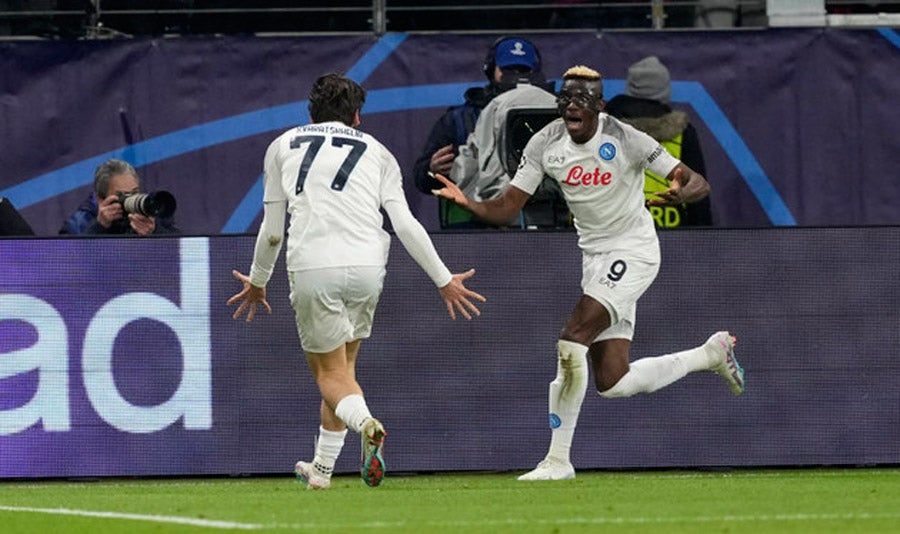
(582, 335)
(604, 382)
(611, 387)
(590, 317)
(581, 331)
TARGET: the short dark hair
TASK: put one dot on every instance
(108, 169)
(335, 98)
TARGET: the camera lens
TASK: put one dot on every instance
(156, 204)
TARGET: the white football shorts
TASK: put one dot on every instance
(617, 279)
(336, 305)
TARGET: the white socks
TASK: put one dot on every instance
(353, 411)
(644, 376)
(649, 374)
(328, 448)
(566, 395)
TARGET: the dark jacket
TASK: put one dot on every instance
(453, 128)
(84, 222)
(663, 123)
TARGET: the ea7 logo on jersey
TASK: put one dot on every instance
(578, 176)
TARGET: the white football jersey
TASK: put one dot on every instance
(335, 179)
(602, 181)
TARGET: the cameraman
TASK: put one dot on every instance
(103, 213)
(509, 60)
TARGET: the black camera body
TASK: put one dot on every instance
(155, 204)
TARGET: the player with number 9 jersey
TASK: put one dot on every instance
(599, 163)
(602, 181)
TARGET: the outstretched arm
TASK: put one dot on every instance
(268, 245)
(416, 241)
(499, 211)
(686, 186)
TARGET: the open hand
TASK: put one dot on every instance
(249, 297)
(673, 196)
(451, 191)
(457, 296)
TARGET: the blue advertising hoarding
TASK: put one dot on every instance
(119, 357)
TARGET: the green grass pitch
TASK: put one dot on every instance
(864, 500)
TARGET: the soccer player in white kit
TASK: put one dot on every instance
(333, 179)
(599, 163)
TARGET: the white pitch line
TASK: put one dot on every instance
(136, 517)
(381, 525)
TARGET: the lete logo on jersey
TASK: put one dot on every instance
(579, 176)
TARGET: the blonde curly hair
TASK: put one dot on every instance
(583, 73)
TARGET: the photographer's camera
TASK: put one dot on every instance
(155, 204)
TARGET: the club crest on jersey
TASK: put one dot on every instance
(607, 151)
(555, 421)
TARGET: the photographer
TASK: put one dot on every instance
(116, 206)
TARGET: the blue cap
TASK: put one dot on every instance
(515, 52)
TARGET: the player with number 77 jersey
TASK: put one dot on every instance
(333, 180)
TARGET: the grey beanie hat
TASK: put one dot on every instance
(649, 78)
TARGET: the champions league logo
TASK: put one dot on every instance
(517, 49)
(607, 151)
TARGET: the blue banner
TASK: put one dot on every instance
(119, 357)
(798, 126)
